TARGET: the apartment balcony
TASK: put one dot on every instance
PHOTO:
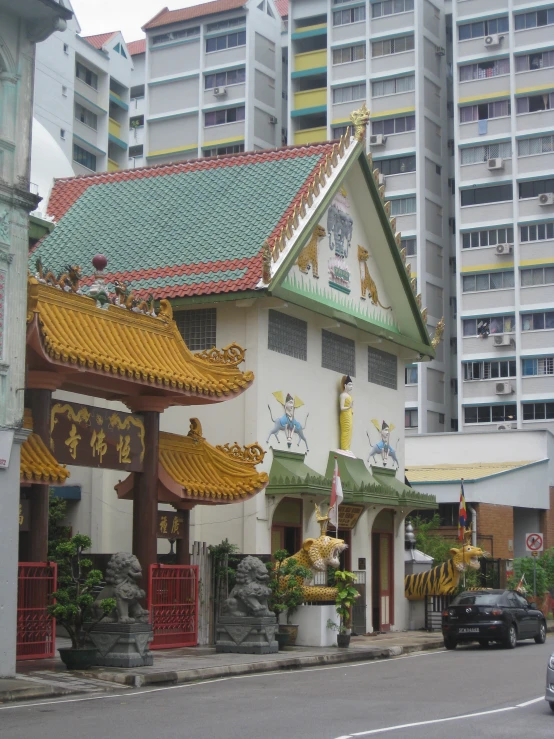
(536, 295)
(114, 134)
(310, 101)
(475, 7)
(472, 172)
(113, 166)
(318, 29)
(310, 135)
(118, 100)
(310, 62)
(542, 340)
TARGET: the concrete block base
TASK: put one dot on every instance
(312, 626)
(246, 635)
(122, 645)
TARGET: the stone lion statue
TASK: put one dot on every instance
(250, 594)
(122, 572)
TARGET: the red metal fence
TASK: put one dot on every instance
(173, 605)
(36, 630)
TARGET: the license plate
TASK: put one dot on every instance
(472, 630)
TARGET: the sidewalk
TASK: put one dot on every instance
(39, 679)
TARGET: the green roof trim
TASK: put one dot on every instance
(290, 475)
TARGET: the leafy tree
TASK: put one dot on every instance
(345, 599)
(524, 566)
(223, 571)
(285, 581)
(546, 560)
(430, 543)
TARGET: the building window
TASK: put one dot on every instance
(536, 145)
(339, 131)
(535, 19)
(484, 111)
(410, 418)
(398, 165)
(338, 353)
(137, 92)
(120, 50)
(538, 411)
(163, 38)
(224, 79)
(534, 188)
(537, 276)
(391, 7)
(136, 151)
(483, 70)
(537, 366)
(392, 46)
(66, 48)
(222, 150)
(381, 368)
(491, 237)
(229, 23)
(490, 413)
(86, 75)
(537, 60)
(487, 281)
(410, 374)
(535, 103)
(410, 245)
(380, 88)
(389, 126)
(137, 121)
(349, 54)
(219, 117)
(483, 28)
(403, 206)
(537, 321)
(286, 527)
(478, 154)
(482, 195)
(537, 232)
(482, 327)
(350, 15)
(349, 93)
(198, 328)
(489, 370)
(84, 158)
(229, 41)
(86, 116)
(287, 335)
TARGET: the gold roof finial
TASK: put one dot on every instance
(360, 119)
(322, 520)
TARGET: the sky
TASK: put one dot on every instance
(100, 16)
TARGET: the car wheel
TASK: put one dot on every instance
(510, 640)
(450, 642)
(484, 643)
(541, 636)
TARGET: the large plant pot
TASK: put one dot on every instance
(343, 641)
(282, 638)
(78, 659)
(292, 631)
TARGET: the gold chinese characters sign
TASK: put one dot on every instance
(96, 437)
(170, 525)
(349, 515)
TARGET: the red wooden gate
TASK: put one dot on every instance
(173, 605)
(36, 630)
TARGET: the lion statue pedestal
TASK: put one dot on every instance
(122, 637)
(247, 626)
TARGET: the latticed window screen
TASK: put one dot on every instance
(338, 353)
(198, 328)
(287, 335)
(381, 368)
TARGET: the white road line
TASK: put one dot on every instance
(438, 720)
(373, 663)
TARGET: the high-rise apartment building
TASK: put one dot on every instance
(503, 129)
(392, 55)
(137, 108)
(213, 80)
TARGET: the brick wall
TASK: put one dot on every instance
(496, 522)
(547, 523)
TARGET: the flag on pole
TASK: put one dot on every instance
(462, 515)
(336, 497)
(521, 585)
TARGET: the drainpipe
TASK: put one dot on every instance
(473, 525)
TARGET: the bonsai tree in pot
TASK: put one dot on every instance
(286, 580)
(345, 599)
(72, 601)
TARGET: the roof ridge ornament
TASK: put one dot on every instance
(360, 119)
(251, 453)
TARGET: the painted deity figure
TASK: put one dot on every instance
(383, 447)
(346, 420)
(287, 422)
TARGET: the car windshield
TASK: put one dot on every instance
(476, 599)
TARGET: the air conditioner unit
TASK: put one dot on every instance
(493, 40)
(220, 91)
(377, 139)
(273, 119)
(502, 340)
(502, 249)
(497, 163)
(503, 388)
(504, 427)
(546, 198)
(381, 178)
(440, 50)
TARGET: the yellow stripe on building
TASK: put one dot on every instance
(174, 150)
(488, 96)
(487, 267)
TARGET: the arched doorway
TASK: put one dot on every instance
(286, 527)
(382, 571)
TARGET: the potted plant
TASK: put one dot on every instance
(72, 601)
(345, 599)
(286, 580)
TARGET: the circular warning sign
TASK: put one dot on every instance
(534, 542)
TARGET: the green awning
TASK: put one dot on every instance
(407, 495)
(289, 475)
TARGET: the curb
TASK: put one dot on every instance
(35, 693)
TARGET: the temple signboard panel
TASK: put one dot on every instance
(170, 525)
(86, 436)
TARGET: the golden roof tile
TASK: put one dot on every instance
(455, 472)
(37, 463)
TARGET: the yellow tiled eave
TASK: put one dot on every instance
(38, 465)
(455, 472)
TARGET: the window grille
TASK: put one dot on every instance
(381, 368)
(198, 328)
(287, 335)
(338, 353)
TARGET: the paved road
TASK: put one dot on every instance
(424, 695)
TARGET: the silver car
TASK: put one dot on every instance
(550, 682)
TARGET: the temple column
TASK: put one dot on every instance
(183, 545)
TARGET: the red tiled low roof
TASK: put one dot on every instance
(165, 17)
(282, 7)
(137, 47)
(100, 39)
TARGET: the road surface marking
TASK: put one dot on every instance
(438, 720)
